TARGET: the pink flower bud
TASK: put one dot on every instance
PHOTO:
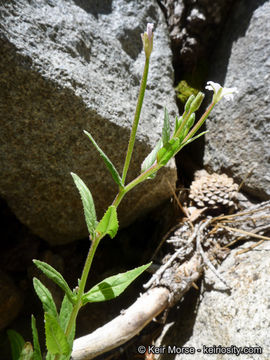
(147, 39)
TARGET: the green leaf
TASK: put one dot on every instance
(116, 177)
(168, 151)
(55, 276)
(151, 158)
(113, 286)
(166, 134)
(56, 340)
(37, 352)
(88, 204)
(109, 223)
(194, 138)
(16, 343)
(27, 352)
(45, 297)
(64, 316)
(178, 122)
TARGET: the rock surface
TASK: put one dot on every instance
(241, 318)
(68, 66)
(239, 132)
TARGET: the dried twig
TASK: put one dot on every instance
(206, 261)
(123, 327)
(180, 252)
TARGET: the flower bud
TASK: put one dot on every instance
(147, 39)
(188, 103)
(196, 103)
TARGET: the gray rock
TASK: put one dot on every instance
(67, 66)
(240, 318)
(239, 132)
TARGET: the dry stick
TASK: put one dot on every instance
(248, 233)
(206, 261)
(161, 270)
(251, 247)
(123, 327)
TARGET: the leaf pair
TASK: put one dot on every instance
(107, 225)
(55, 325)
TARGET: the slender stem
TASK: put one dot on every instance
(136, 120)
(183, 123)
(118, 198)
(84, 276)
(96, 241)
(143, 176)
(200, 122)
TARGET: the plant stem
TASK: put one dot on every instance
(200, 122)
(183, 123)
(96, 241)
(136, 119)
(117, 199)
(84, 276)
(143, 176)
(155, 167)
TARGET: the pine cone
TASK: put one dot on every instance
(213, 191)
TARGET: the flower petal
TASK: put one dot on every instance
(220, 92)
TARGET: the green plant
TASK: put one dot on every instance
(60, 327)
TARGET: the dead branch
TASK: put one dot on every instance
(128, 324)
(175, 277)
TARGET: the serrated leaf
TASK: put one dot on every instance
(116, 177)
(16, 343)
(151, 158)
(27, 352)
(88, 204)
(109, 223)
(37, 352)
(166, 128)
(113, 286)
(64, 316)
(168, 151)
(45, 297)
(55, 276)
(56, 340)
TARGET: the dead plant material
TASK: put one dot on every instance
(190, 249)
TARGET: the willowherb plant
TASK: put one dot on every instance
(60, 326)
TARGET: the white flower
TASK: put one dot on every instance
(220, 92)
